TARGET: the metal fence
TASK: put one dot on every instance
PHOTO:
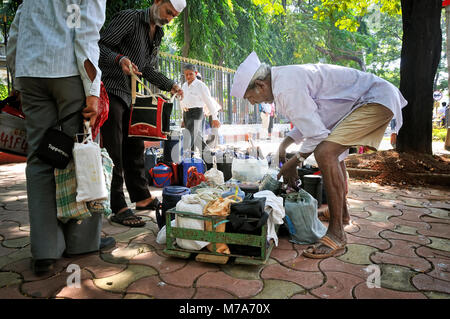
(219, 81)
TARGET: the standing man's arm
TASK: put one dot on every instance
(161, 81)
(87, 35)
(12, 44)
(207, 99)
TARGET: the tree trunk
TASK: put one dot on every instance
(187, 33)
(421, 52)
(447, 23)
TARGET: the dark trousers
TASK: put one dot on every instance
(127, 155)
(44, 101)
(193, 134)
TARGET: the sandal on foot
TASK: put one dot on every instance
(152, 206)
(126, 218)
(326, 241)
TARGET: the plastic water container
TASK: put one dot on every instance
(249, 170)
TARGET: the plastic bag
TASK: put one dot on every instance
(214, 175)
(161, 238)
(249, 170)
(191, 203)
(91, 184)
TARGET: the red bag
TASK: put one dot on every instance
(194, 177)
(102, 112)
(161, 175)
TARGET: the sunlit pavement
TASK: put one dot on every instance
(401, 234)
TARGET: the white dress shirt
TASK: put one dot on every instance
(53, 39)
(317, 97)
(197, 94)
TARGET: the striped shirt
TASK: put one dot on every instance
(128, 35)
(53, 39)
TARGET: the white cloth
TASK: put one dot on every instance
(274, 207)
(179, 5)
(54, 38)
(244, 75)
(197, 94)
(317, 97)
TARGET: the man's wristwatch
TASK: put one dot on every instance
(300, 158)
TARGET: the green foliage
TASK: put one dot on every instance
(439, 134)
(3, 92)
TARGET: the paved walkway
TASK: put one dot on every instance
(403, 234)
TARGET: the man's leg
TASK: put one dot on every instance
(345, 214)
(327, 154)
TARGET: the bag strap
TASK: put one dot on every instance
(135, 78)
(65, 118)
(162, 184)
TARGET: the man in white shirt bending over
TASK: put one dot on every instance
(196, 95)
(332, 108)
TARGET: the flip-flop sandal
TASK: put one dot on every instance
(128, 215)
(336, 248)
(152, 206)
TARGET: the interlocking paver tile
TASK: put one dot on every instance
(186, 276)
(111, 228)
(379, 243)
(432, 253)
(20, 217)
(136, 296)
(437, 229)
(406, 230)
(245, 271)
(278, 289)
(119, 282)
(432, 219)
(436, 295)
(17, 205)
(439, 243)
(416, 263)
(98, 267)
(212, 293)
(17, 242)
(355, 204)
(366, 223)
(402, 248)
(302, 278)
(154, 287)
(362, 291)
(17, 255)
(130, 234)
(357, 254)
(9, 279)
(149, 239)
(12, 292)
(239, 287)
(419, 239)
(284, 243)
(440, 213)
(87, 290)
(49, 287)
(337, 265)
(10, 230)
(351, 228)
(397, 277)
(413, 215)
(381, 214)
(6, 251)
(359, 214)
(367, 230)
(302, 263)
(425, 282)
(441, 269)
(304, 296)
(420, 225)
(360, 195)
(283, 255)
(162, 264)
(337, 286)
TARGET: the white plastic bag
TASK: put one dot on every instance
(214, 175)
(249, 170)
(91, 183)
(191, 203)
(161, 238)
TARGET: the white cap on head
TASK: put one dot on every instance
(244, 75)
(179, 5)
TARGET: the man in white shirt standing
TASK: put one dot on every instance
(53, 56)
(196, 96)
(332, 108)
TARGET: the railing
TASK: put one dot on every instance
(219, 81)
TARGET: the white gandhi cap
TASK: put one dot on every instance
(179, 5)
(244, 74)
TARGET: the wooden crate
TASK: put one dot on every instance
(205, 255)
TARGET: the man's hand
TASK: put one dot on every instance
(91, 109)
(289, 172)
(215, 124)
(177, 90)
(125, 65)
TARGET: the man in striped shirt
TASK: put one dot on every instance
(132, 38)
